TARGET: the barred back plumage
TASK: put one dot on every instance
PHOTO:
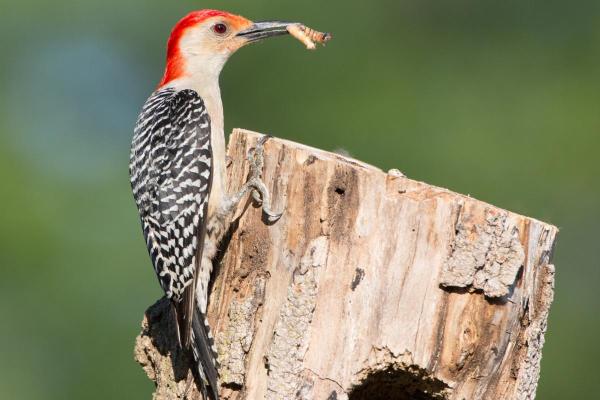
(171, 172)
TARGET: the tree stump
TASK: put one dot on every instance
(371, 286)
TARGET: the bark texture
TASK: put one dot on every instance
(371, 286)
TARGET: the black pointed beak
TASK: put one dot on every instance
(265, 29)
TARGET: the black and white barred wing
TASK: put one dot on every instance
(171, 174)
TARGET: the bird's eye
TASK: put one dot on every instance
(220, 28)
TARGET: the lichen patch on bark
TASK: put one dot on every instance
(292, 329)
(485, 256)
(529, 368)
(235, 341)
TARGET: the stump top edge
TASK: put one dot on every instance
(237, 133)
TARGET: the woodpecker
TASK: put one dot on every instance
(177, 171)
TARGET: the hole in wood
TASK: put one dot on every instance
(340, 191)
(398, 384)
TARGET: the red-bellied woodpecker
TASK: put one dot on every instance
(177, 170)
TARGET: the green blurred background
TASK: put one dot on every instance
(497, 99)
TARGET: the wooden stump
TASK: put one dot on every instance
(371, 286)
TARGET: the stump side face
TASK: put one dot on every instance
(358, 265)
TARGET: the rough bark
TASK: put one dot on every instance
(371, 286)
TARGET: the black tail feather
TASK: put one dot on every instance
(204, 354)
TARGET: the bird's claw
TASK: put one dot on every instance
(272, 217)
(260, 193)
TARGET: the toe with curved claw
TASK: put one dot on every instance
(260, 193)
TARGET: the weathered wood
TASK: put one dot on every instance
(371, 286)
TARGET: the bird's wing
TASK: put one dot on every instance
(171, 178)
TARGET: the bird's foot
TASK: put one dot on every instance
(260, 193)
(255, 185)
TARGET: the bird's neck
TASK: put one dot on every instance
(207, 87)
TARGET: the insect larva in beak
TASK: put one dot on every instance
(308, 36)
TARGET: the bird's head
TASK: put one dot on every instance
(202, 41)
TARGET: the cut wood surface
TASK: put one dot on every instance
(371, 286)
